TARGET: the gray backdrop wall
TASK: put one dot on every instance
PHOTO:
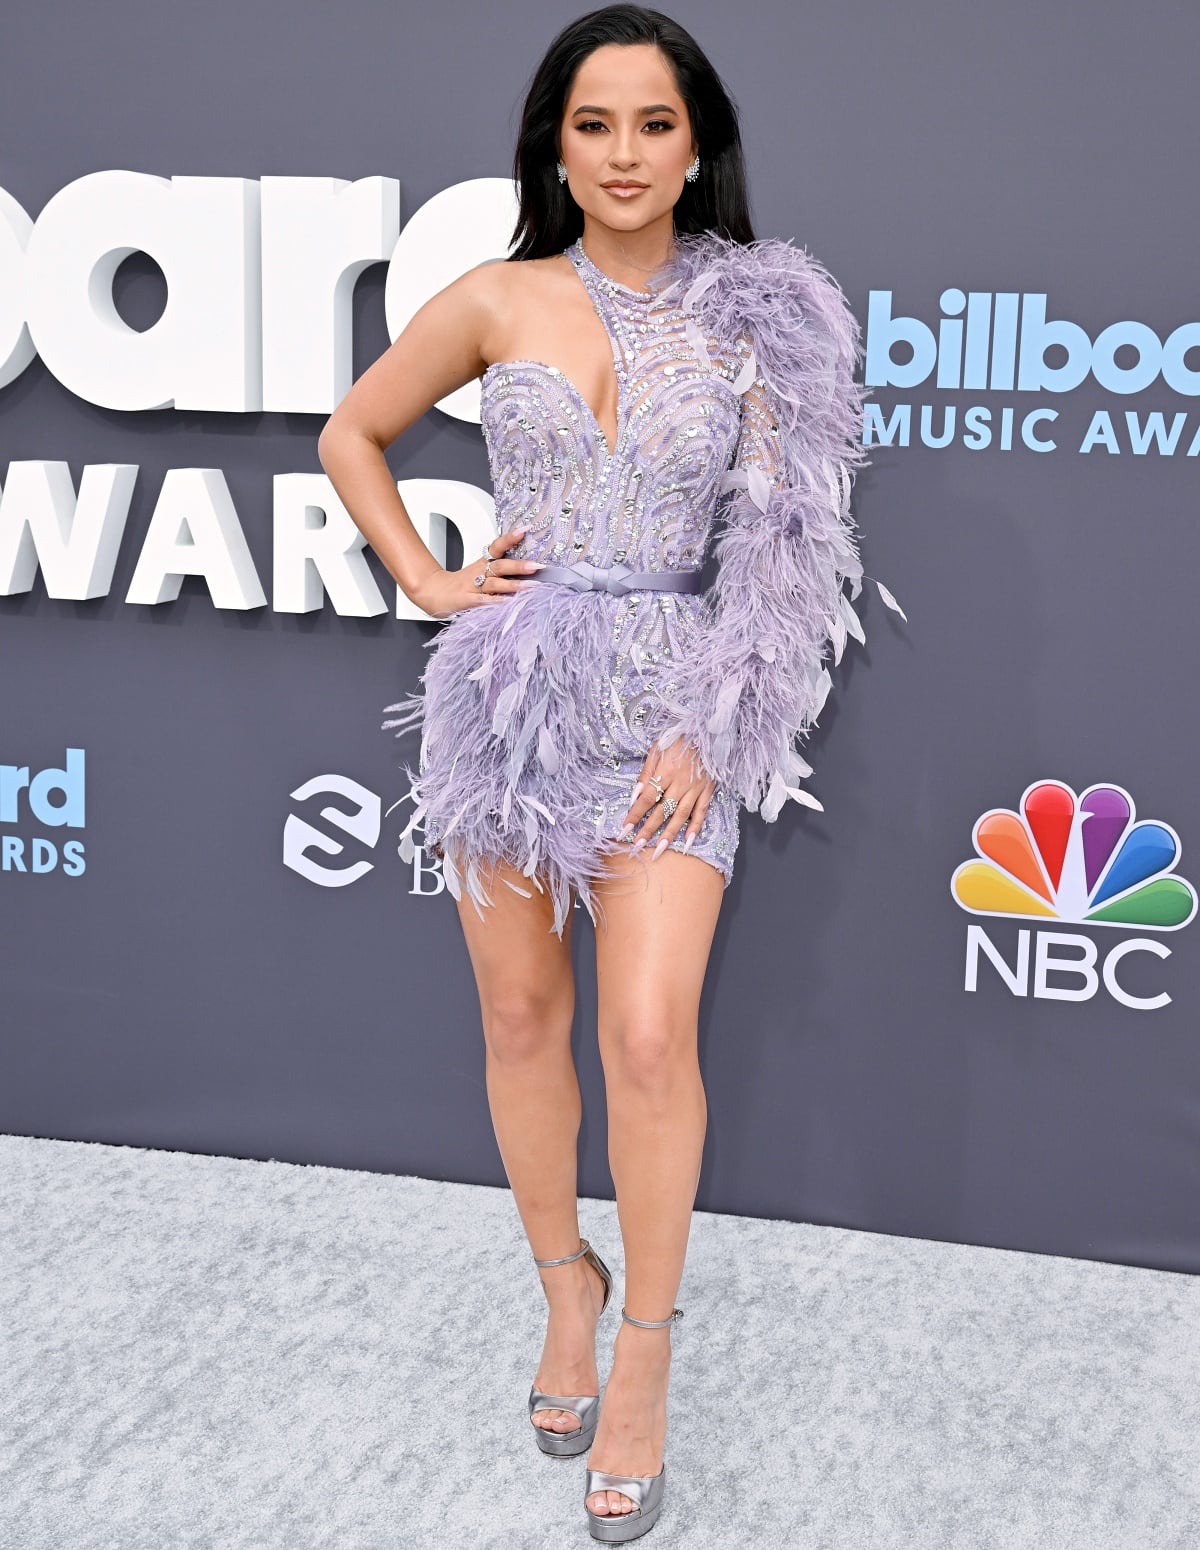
(190, 981)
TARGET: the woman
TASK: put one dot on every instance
(592, 722)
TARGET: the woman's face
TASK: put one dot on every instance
(625, 122)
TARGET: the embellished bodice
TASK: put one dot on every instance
(649, 499)
(735, 375)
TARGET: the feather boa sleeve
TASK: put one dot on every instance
(777, 607)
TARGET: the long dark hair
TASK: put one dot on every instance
(548, 218)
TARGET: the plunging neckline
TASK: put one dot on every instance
(592, 278)
(607, 452)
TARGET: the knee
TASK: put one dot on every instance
(649, 1055)
(520, 1024)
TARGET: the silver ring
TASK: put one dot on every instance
(669, 806)
(479, 580)
(658, 786)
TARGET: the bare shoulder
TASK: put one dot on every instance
(507, 282)
(518, 296)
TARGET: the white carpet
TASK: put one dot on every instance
(202, 1353)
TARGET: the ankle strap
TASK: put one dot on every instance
(584, 1245)
(671, 1318)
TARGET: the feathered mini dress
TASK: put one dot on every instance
(737, 405)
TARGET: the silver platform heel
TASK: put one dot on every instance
(585, 1406)
(615, 1528)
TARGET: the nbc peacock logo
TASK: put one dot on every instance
(1079, 860)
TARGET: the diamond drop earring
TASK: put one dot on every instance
(562, 173)
(693, 172)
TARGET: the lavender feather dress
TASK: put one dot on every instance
(737, 397)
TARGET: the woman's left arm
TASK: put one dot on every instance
(778, 608)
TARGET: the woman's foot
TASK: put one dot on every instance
(575, 1294)
(632, 1432)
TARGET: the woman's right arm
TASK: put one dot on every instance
(441, 349)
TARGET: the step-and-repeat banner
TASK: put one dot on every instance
(961, 1002)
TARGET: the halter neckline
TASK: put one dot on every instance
(577, 252)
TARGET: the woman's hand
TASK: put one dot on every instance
(678, 771)
(445, 592)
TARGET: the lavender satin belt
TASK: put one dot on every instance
(617, 579)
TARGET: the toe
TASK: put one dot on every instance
(598, 1503)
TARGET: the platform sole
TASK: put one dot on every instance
(620, 1528)
(563, 1445)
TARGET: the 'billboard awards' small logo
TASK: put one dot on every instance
(33, 800)
(1084, 860)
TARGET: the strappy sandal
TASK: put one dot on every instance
(585, 1406)
(615, 1528)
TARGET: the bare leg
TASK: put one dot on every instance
(527, 999)
(651, 956)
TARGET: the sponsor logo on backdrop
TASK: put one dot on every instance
(33, 801)
(1005, 345)
(1083, 860)
(335, 845)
